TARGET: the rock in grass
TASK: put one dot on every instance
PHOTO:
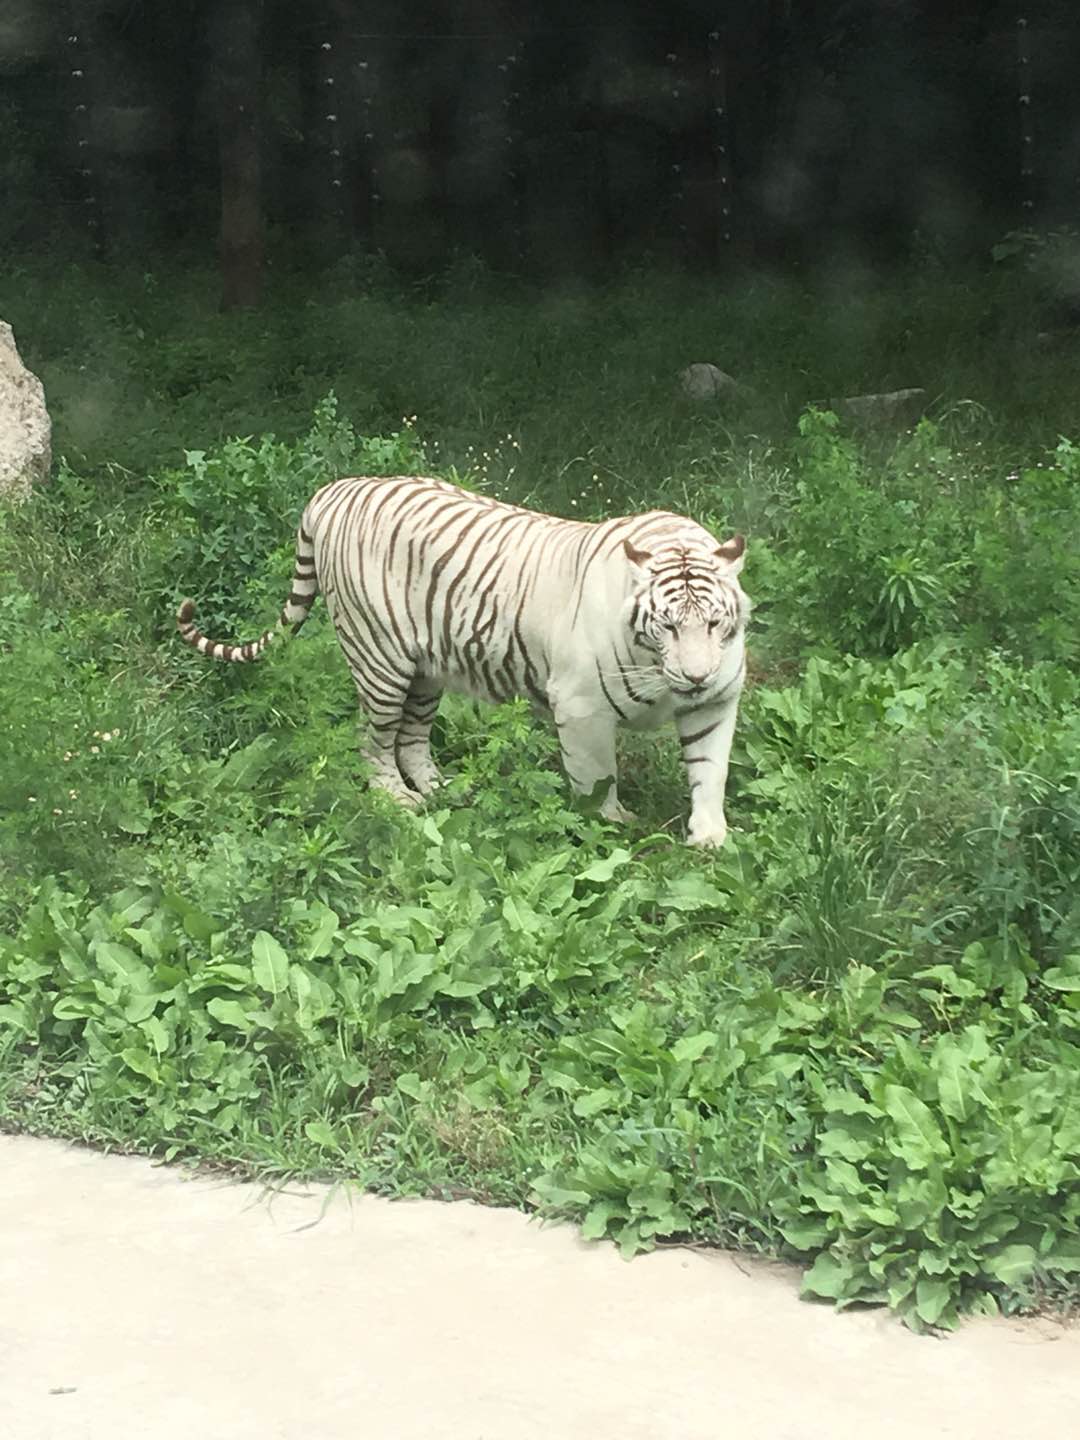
(25, 427)
(708, 382)
(892, 408)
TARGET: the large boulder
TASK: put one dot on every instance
(708, 382)
(25, 428)
(897, 409)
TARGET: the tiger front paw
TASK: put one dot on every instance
(708, 833)
(617, 814)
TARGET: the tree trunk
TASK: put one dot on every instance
(235, 44)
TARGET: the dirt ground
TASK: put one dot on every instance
(137, 1302)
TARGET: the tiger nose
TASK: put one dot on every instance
(695, 680)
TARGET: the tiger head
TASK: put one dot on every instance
(689, 610)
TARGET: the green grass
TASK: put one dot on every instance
(852, 1036)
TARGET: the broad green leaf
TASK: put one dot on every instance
(560, 1079)
(954, 1078)
(133, 820)
(593, 1101)
(919, 1198)
(935, 1262)
(461, 989)
(15, 1017)
(300, 985)
(138, 1007)
(354, 1073)
(196, 922)
(596, 1222)
(1011, 1265)
(321, 941)
(985, 1305)
(846, 1102)
(1064, 1258)
(411, 1085)
(839, 1142)
(692, 1047)
(631, 1241)
(808, 1233)
(141, 1062)
(237, 975)
(269, 964)
(229, 1012)
(156, 1033)
(549, 1192)
(783, 1064)
(950, 981)
(931, 1299)
(918, 1138)
(519, 916)
(205, 1061)
(321, 1133)
(693, 892)
(119, 959)
(844, 1177)
(397, 974)
(1063, 977)
(603, 869)
(244, 767)
(827, 1277)
(76, 1007)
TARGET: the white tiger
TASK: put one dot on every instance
(430, 588)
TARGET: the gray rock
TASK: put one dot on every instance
(25, 427)
(708, 382)
(898, 408)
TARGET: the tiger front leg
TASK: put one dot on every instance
(588, 755)
(705, 735)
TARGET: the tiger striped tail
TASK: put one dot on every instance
(305, 586)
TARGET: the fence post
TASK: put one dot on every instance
(515, 158)
(332, 99)
(678, 164)
(721, 146)
(369, 153)
(86, 190)
(1027, 138)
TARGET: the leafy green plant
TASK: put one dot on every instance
(947, 1182)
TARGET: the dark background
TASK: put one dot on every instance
(544, 138)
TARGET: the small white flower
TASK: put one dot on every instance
(95, 749)
(57, 812)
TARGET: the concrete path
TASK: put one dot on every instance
(137, 1303)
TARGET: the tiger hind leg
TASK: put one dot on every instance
(413, 747)
(384, 708)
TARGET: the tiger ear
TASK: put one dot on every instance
(731, 553)
(638, 558)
